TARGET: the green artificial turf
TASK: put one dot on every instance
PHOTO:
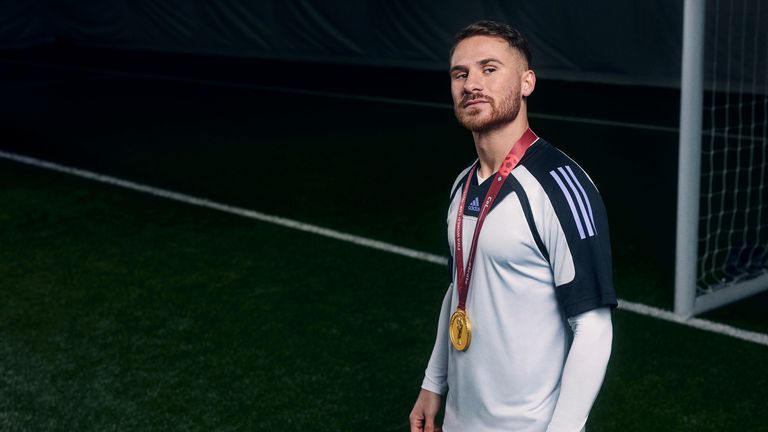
(123, 312)
(127, 312)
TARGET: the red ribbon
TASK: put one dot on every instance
(510, 162)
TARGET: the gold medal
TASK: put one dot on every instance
(460, 330)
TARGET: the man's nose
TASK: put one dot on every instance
(473, 83)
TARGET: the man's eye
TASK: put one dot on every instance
(461, 76)
(489, 70)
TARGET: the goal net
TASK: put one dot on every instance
(731, 248)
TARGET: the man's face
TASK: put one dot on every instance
(486, 80)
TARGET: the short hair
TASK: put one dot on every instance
(514, 38)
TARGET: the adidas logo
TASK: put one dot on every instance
(474, 205)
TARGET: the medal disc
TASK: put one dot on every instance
(460, 330)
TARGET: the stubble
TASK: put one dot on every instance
(502, 112)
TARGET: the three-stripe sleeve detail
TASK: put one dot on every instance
(584, 194)
(576, 196)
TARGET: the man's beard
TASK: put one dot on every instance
(505, 112)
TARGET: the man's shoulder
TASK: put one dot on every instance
(552, 168)
(553, 180)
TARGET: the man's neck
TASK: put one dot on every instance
(494, 145)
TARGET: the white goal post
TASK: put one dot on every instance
(727, 220)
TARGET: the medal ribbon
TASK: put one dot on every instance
(510, 162)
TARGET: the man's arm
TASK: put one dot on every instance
(425, 410)
(437, 369)
(584, 369)
(422, 418)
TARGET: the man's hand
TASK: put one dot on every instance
(424, 411)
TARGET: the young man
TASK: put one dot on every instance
(524, 333)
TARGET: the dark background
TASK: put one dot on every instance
(126, 312)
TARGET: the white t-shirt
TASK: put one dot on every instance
(543, 256)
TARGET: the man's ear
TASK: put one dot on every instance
(528, 83)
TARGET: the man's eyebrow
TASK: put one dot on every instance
(482, 62)
(489, 60)
(458, 68)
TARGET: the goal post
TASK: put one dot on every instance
(722, 209)
(689, 158)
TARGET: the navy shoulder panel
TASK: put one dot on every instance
(570, 190)
(582, 218)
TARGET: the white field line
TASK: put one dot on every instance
(698, 323)
(638, 308)
(239, 211)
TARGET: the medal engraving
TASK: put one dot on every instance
(460, 330)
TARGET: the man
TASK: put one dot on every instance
(524, 333)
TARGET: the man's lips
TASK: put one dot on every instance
(474, 102)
